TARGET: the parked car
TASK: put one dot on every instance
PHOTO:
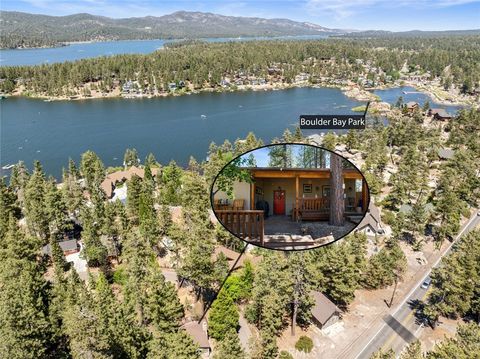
(426, 283)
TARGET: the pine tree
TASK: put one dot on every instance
(223, 316)
(8, 206)
(24, 325)
(88, 339)
(229, 347)
(464, 345)
(94, 251)
(131, 158)
(35, 211)
(162, 308)
(92, 170)
(329, 141)
(173, 345)
(412, 351)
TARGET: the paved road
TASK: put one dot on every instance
(400, 327)
(244, 333)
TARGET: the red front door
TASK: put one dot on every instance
(278, 202)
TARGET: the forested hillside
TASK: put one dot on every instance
(128, 309)
(455, 61)
(31, 30)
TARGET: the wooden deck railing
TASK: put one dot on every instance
(312, 209)
(314, 204)
(246, 224)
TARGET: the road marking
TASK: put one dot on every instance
(406, 319)
(416, 286)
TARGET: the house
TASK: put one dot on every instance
(412, 106)
(199, 334)
(111, 180)
(232, 256)
(284, 198)
(324, 312)
(68, 247)
(439, 114)
(283, 188)
(371, 224)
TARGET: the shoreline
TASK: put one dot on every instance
(351, 90)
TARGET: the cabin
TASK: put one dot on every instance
(232, 257)
(371, 224)
(68, 247)
(285, 198)
(439, 114)
(113, 179)
(412, 106)
(324, 312)
(199, 334)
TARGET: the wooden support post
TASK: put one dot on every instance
(297, 185)
(337, 201)
(252, 195)
(364, 196)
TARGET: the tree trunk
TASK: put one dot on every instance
(294, 316)
(394, 290)
(337, 205)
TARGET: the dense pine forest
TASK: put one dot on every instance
(126, 308)
(455, 60)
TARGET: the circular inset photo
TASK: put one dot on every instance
(290, 196)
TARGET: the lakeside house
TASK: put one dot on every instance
(112, 180)
(324, 312)
(199, 334)
(412, 106)
(439, 114)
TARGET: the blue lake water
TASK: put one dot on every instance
(79, 51)
(411, 94)
(170, 128)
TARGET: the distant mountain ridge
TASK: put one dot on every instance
(18, 29)
(411, 33)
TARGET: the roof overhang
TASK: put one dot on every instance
(301, 173)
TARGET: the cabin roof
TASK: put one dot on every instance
(232, 257)
(66, 246)
(198, 333)
(111, 179)
(372, 218)
(279, 172)
(323, 308)
(440, 112)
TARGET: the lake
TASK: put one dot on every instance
(79, 51)
(170, 128)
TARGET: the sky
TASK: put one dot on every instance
(393, 15)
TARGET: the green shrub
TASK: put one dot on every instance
(285, 355)
(304, 344)
(119, 276)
